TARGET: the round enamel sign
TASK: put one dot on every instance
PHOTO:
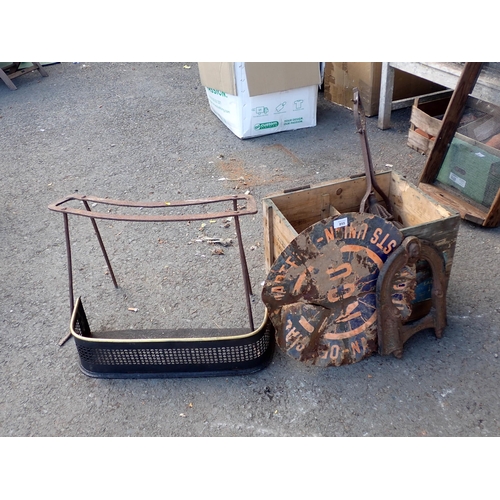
(321, 291)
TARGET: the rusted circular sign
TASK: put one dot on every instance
(321, 290)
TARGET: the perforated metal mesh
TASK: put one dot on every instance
(172, 356)
(126, 358)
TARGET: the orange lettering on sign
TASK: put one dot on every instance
(349, 314)
(390, 247)
(294, 338)
(355, 347)
(375, 236)
(330, 234)
(292, 332)
(334, 352)
(349, 232)
(342, 292)
(363, 229)
(306, 325)
(342, 271)
(381, 244)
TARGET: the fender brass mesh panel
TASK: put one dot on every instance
(225, 354)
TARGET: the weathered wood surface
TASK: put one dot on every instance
(466, 210)
(422, 120)
(287, 214)
(446, 74)
(493, 217)
(419, 143)
(451, 120)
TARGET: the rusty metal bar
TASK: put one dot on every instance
(70, 273)
(244, 267)
(371, 182)
(251, 208)
(60, 206)
(101, 244)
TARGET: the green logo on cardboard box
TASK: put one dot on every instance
(265, 125)
(216, 92)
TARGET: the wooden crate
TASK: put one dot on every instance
(477, 134)
(425, 122)
(479, 122)
(286, 214)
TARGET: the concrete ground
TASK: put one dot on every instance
(145, 132)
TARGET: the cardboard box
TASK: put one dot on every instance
(341, 77)
(259, 98)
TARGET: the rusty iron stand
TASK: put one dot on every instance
(392, 331)
(180, 357)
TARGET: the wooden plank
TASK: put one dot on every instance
(41, 69)
(422, 120)
(303, 208)
(493, 217)
(287, 214)
(451, 119)
(406, 103)
(465, 209)
(268, 234)
(445, 74)
(278, 232)
(414, 206)
(12, 72)
(386, 92)
(345, 195)
(442, 233)
(419, 142)
(481, 129)
(333, 211)
(473, 142)
(7, 80)
(325, 205)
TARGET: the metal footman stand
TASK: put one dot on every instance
(150, 354)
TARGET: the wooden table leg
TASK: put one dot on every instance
(386, 91)
(7, 80)
(41, 69)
